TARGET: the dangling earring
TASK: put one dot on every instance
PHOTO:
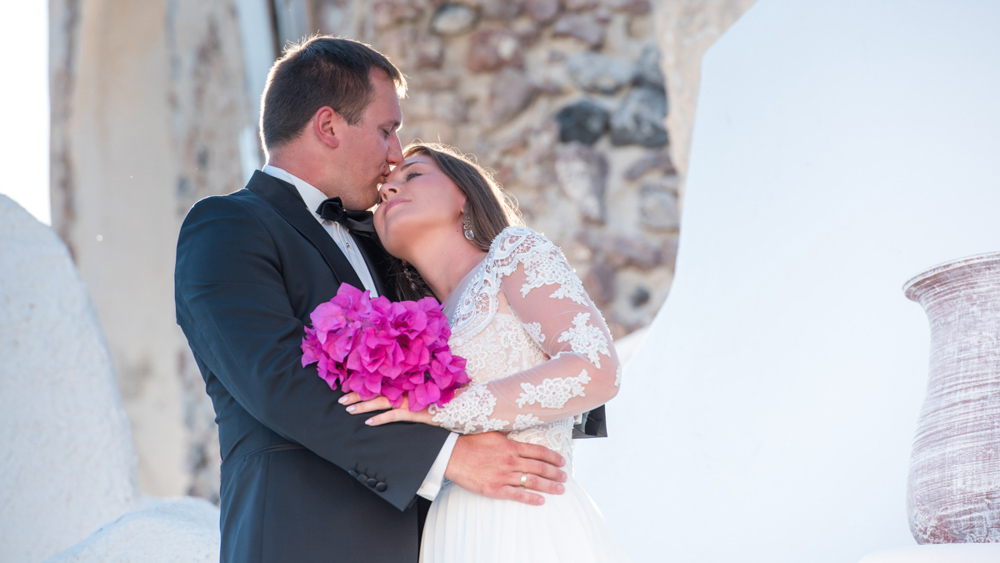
(467, 227)
(409, 276)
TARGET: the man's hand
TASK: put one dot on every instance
(491, 465)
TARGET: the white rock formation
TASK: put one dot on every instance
(839, 149)
(68, 465)
(181, 529)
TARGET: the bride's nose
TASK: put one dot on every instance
(386, 191)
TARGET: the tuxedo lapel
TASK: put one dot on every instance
(378, 263)
(288, 204)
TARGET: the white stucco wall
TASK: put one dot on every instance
(68, 469)
(839, 149)
(67, 464)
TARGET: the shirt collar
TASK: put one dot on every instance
(309, 193)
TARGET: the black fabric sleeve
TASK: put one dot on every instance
(230, 286)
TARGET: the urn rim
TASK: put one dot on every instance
(909, 288)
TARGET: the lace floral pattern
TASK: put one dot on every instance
(522, 381)
(586, 339)
(470, 412)
(535, 331)
(524, 421)
(513, 247)
(547, 272)
(553, 393)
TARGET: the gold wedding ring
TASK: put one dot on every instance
(524, 479)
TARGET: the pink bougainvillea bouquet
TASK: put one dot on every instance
(378, 347)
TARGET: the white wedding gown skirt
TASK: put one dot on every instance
(535, 362)
(463, 527)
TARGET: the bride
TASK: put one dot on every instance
(539, 354)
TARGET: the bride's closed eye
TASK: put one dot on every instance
(412, 175)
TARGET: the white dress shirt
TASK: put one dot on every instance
(342, 237)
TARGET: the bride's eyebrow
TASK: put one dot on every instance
(409, 164)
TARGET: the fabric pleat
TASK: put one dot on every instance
(464, 527)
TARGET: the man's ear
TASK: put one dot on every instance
(327, 125)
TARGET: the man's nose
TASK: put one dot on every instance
(395, 157)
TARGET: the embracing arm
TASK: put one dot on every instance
(582, 372)
(234, 307)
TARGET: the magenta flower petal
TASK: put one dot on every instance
(375, 346)
(394, 394)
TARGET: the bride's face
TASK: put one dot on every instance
(416, 200)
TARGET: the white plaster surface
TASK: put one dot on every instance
(944, 553)
(67, 464)
(180, 529)
(839, 149)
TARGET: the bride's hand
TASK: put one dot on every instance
(403, 414)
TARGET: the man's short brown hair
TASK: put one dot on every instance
(320, 71)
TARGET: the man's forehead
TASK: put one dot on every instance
(385, 107)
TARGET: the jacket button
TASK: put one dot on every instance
(372, 481)
(362, 477)
(381, 487)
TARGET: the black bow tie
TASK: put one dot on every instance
(357, 222)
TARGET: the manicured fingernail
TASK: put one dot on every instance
(563, 476)
(370, 421)
(560, 489)
(540, 500)
(342, 399)
(351, 408)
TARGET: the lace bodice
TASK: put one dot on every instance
(539, 353)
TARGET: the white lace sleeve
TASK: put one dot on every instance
(551, 304)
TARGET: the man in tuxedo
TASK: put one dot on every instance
(303, 480)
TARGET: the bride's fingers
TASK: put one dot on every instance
(377, 404)
(402, 414)
(349, 399)
(394, 415)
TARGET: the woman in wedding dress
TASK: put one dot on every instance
(539, 354)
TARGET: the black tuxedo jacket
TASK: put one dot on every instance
(302, 480)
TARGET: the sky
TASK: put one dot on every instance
(24, 109)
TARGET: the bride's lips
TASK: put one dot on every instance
(390, 204)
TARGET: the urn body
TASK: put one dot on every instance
(953, 493)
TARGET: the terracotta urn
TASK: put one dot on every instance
(954, 483)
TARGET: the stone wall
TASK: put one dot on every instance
(566, 101)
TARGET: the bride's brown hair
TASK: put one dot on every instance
(489, 209)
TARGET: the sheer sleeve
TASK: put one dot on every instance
(582, 371)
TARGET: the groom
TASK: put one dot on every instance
(303, 480)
